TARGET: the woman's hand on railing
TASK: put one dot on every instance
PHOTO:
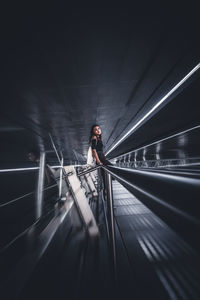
(99, 163)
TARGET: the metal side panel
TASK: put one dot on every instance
(82, 202)
(94, 175)
(91, 184)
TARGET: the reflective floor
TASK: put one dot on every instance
(164, 265)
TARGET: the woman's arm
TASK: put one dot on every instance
(94, 152)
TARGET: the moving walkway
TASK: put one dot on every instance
(119, 246)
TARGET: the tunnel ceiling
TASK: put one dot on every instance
(64, 70)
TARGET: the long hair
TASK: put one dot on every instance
(92, 133)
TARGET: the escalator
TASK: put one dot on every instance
(61, 258)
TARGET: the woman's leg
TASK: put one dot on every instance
(105, 162)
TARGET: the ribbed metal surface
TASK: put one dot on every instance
(156, 247)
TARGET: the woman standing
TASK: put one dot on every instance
(97, 149)
(97, 146)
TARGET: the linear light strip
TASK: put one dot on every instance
(24, 169)
(34, 168)
(18, 169)
(16, 199)
(157, 105)
(159, 141)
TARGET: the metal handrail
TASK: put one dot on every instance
(112, 224)
(111, 235)
(26, 195)
(46, 188)
(169, 206)
(89, 170)
(27, 229)
(104, 210)
(37, 221)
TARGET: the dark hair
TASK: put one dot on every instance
(92, 133)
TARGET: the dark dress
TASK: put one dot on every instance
(98, 146)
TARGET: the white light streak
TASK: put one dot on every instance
(156, 106)
(25, 169)
(18, 169)
(40, 186)
(161, 140)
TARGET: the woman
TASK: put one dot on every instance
(97, 146)
(97, 149)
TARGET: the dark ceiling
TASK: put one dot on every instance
(64, 70)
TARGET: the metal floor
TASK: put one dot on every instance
(163, 265)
